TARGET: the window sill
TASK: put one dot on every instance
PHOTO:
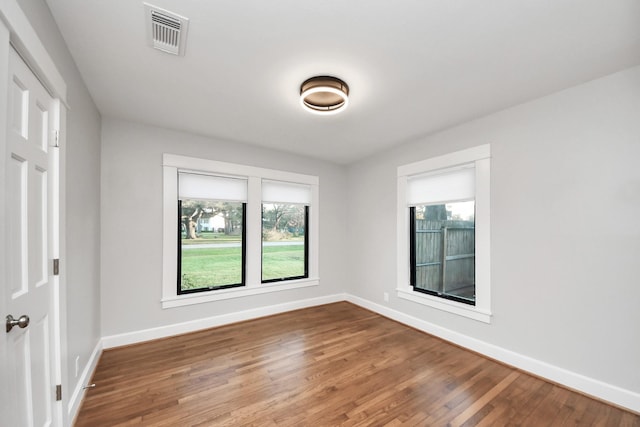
(239, 292)
(454, 307)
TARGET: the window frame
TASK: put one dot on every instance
(179, 290)
(480, 157)
(413, 263)
(171, 164)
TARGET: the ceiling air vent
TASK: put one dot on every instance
(166, 30)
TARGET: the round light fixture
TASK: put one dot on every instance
(324, 95)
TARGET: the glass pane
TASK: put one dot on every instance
(211, 244)
(444, 250)
(284, 237)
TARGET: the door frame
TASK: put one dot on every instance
(16, 31)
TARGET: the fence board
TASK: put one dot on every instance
(458, 262)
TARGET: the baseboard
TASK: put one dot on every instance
(598, 389)
(87, 373)
(210, 322)
(590, 386)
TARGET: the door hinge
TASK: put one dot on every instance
(56, 138)
(56, 267)
(58, 392)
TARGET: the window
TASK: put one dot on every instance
(443, 232)
(233, 230)
(211, 221)
(284, 242)
(285, 218)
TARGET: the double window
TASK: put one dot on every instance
(233, 230)
(443, 232)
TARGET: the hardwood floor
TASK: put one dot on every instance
(336, 364)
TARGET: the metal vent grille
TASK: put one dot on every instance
(167, 31)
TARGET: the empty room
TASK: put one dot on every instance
(298, 213)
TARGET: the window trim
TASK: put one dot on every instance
(480, 156)
(171, 164)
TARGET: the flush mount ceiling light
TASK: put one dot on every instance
(324, 95)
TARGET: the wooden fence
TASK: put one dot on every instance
(445, 257)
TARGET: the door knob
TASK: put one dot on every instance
(22, 322)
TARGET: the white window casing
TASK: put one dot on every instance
(461, 175)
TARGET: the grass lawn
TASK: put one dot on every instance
(282, 261)
(211, 267)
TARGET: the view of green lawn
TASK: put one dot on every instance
(210, 267)
(282, 261)
(207, 267)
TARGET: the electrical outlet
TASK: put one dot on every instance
(386, 297)
(77, 365)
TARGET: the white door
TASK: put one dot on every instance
(28, 286)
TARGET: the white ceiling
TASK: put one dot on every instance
(413, 67)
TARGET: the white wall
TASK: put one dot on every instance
(132, 224)
(80, 264)
(565, 222)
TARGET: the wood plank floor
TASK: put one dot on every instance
(336, 364)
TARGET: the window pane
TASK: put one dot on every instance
(211, 245)
(284, 241)
(443, 250)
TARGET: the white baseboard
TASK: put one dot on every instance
(596, 388)
(590, 386)
(210, 322)
(85, 378)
